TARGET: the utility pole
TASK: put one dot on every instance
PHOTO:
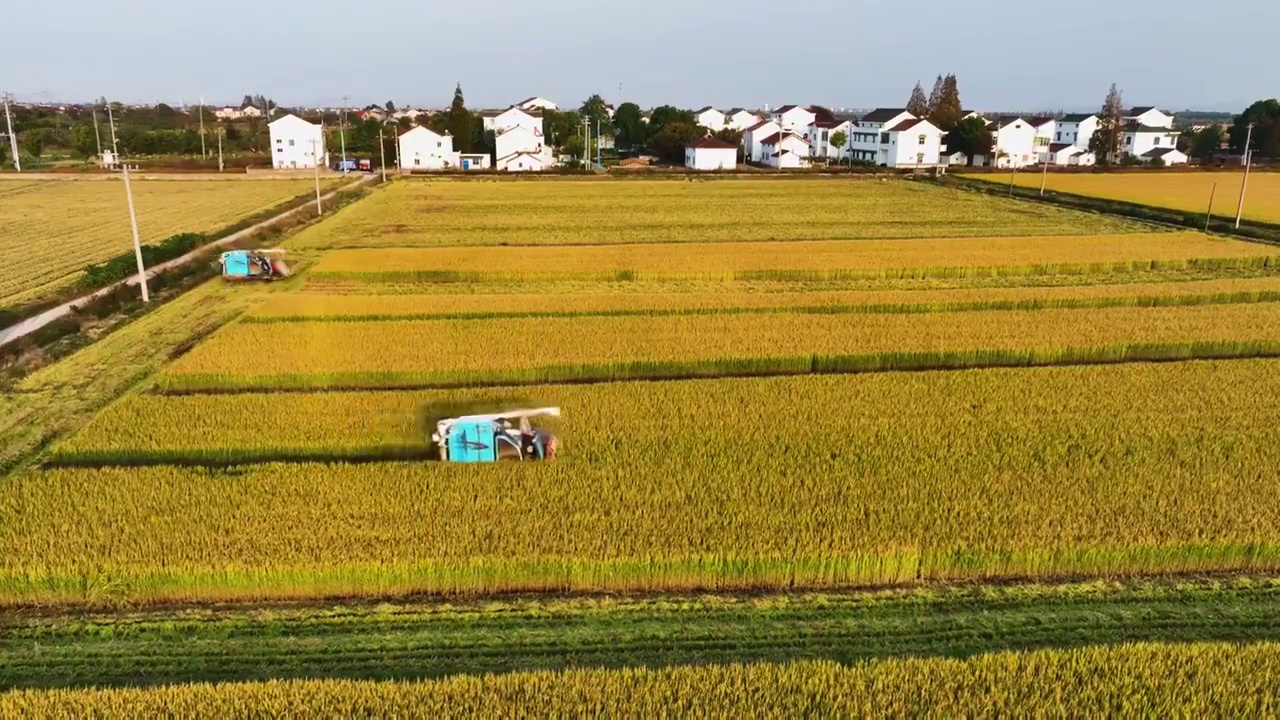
(398, 168)
(13, 139)
(133, 216)
(1248, 159)
(1209, 214)
(342, 132)
(586, 143)
(204, 153)
(97, 135)
(382, 151)
(598, 163)
(315, 157)
(219, 151)
(1044, 176)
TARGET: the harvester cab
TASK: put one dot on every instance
(254, 265)
(498, 436)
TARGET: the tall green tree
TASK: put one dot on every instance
(670, 143)
(935, 98)
(1105, 143)
(918, 105)
(946, 113)
(1265, 116)
(664, 115)
(391, 107)
(629, 126)
(458, 120)
(970, 137)
(33, 142)
(83, 141)
(1206, 142)
(821, 114)
(596, 110)
(560, 126)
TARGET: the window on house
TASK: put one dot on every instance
(290, 143)
(922, 139)
(919, 158)
(884, 138)
(1128, 140)
(824, 136)
(280, 142)
(1157, 141)
(417, 161)
(1057, 137)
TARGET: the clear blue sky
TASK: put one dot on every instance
(840, 53)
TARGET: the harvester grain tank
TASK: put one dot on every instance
(495, 437)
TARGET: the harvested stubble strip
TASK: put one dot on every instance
(440, 353)
(353, 308)
(808, 482)
(1159, 680)
(804, 260)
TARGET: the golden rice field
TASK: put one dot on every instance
(1200, 680)
(407, 353)
(1186, 191)
(802, 260)
(637, 298)
(53, 229)
(419, 213)
(817, 481)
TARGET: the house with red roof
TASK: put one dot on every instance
(711, 153)
(785, 150)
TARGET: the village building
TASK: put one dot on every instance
(711, 154)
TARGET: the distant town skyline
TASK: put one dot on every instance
(839, 53)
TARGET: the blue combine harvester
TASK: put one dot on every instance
(491, 438)
(254, 265)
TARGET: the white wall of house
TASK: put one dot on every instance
(525, 162)
(474, 161)
(711, 158)
(296, 143)
(1016, 142)
(520, 140)
(513, 117)
(751, 140)
(423, 149)
(1172, 156)
(1060, 154)
(741, 120)
(1083, 159)
(1044, 131)
(1140, 142)
(820, 134)
(789, 152)
(793, 118)
(711, 119)
(1076, 132)
(917, 146)
(868, 138)
(1152, 118)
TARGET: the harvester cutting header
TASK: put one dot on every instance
(494, 437)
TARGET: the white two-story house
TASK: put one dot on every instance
(1014, 142)
(1076, 129)
(710, 118)
(1149, 134)
(296, 144)
(793, 118)
(751, 137)
(519, 144)
(820, 137)
(739, 119)
(423, 149)
(785, 150)
(893, 137)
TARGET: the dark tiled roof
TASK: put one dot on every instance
(1141, 109)
(1040, 121)
(1077, 117)
(906, 125)
(882, 115)
(774, 139)
(712, 143)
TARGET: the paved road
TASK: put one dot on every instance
(34, 323)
